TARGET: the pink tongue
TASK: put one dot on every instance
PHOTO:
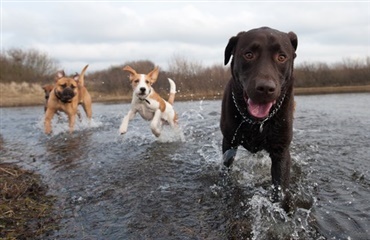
(259, 110)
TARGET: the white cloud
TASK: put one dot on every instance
(111, 33)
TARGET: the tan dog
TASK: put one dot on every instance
(47, 90)
(148, 103)
(67, 94)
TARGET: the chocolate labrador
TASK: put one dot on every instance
(258, 105)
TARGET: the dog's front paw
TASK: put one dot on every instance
(122, 129)
(156, 132)
(122, 132)
(228, 157)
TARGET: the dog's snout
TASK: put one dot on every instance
(68, 91)
(266, 87)
(142, 89)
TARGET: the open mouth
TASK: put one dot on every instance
(141, 94)
(259, 110)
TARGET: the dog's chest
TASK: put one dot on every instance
(146, 109)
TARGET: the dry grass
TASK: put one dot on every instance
(25, 94)
(329, 90)
(25, 209)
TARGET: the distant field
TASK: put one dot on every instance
(16, 95)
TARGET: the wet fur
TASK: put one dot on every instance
(256, 62)
(148, 103)
(66, 95)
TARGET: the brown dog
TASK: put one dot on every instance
(67, 94)
(258, 102)
(47, 90)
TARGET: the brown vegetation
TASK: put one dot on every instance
(194, 81)
(25, 209)
(347, 73)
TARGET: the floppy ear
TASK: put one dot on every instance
(153, 75)
(230, 48)
(293, 39)
(131, 71)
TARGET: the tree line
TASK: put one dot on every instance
(33, 66)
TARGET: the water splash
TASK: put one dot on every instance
(60, 124)
(171, 135)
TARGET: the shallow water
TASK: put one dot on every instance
(138, 187)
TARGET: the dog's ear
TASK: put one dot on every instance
(131, 71)
(153, 75)
(48, 87)
(230, 48)
(293, 40)
(59, 75)
(76, 77)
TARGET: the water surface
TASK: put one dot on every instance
(138, 187)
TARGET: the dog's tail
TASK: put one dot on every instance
(171, 98)
(81, 77)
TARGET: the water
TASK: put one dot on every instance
(138, 187)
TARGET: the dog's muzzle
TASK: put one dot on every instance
(66, 95)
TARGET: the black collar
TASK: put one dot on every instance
(144, 99)
(248, 119)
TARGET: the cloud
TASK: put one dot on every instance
(111, 33)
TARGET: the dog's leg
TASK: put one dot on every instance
(71, 120)
(130, 115)
(155, 124)
(79, 115)
(229, 153)
(87, 108)
(280, 172)
(47, 122)
(173, 123)
(59, 116)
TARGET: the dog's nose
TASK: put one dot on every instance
(142, 89)
(266, 87)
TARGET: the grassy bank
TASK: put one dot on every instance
(16, 95)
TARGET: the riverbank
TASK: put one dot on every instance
(26, 210)
(18, 95)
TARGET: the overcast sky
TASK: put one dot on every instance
(110, 33)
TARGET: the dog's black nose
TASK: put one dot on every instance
(266, 87)
(142, 89)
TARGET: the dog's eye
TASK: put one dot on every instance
(147, 82)
(136, 81)
(249, 55)
(64, 85)
(281, 58)
(73, 86)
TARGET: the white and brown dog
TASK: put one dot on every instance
(148, 103)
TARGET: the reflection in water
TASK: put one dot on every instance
(65, 150)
